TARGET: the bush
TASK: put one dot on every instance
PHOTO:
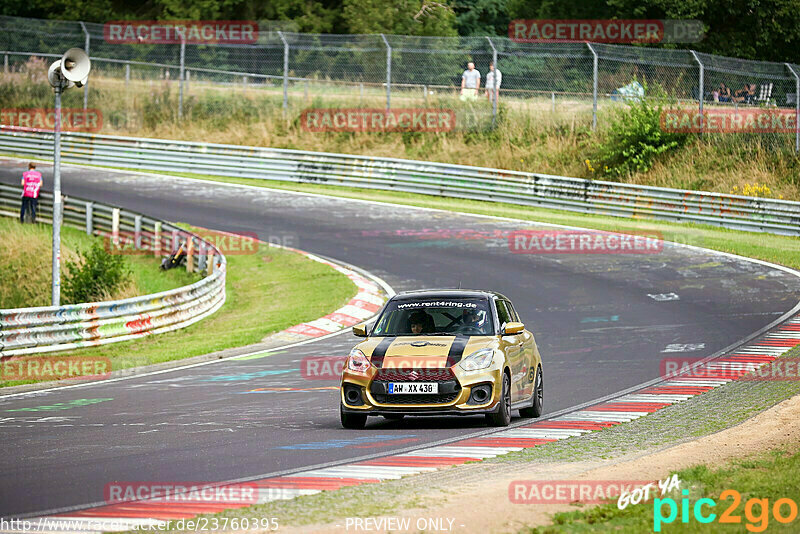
(635, 138)
(95, 276)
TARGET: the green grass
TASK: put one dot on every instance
(25, 278)
(772, 476)
(266, 292)
(783, 250)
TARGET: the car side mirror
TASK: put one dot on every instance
(360, 330)
(513, 328)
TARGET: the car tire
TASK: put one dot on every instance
(537, 403)
(353, 421)
(395, 416)
(503, 415)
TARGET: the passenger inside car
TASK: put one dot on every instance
(421, 323)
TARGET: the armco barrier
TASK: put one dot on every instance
(441, 179)
(52, 328)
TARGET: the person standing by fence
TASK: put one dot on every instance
(470, 82)
(31, 184)
(493, 80)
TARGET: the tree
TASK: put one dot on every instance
(401, 17)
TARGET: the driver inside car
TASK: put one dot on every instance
(420, 323)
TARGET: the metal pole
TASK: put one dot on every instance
(127, 74)
(180, 86)
(86, 49)
(388, 72)
(796, 108)
(285, 71)
(553, 97)
(56, 264)
(495, 90)
(5, 63)
(594, 86)
(701, 90)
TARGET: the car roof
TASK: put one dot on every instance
(446, 293)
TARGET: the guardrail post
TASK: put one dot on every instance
(701, 89)
(175, 241)
(495, 89)
(86, 49)
(137, 232)
(388, 72)
(89, 218)
(190, 254)
(180, 80)
(157, 239)
(594, 85)
(115, 226)
(796, 108)
(285, 70)
(210, 263)
(201, 257)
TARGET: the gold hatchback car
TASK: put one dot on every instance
(443, 352)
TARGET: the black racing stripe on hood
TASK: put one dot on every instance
(457, 350)
(379, 352)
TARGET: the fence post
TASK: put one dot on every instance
(127, 74)
(157, 239)
(425, 94)
(553, 97)
(388, 72)
(796, 108)
(594, 85)
(285, 70)
(137, 232)
(189, 254)
(86, 49)
(210, 263)
(495, 90)
(180, 85)
(89, 218)
(115, 226)
(701, 89)
(188, 79)
(5, 63)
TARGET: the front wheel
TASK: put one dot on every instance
(353, 421)
(503, 415)
(537, 403)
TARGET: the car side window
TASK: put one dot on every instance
(513, 312)
(502, 312)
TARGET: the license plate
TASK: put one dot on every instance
(413, 388)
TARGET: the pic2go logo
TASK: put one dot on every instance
(757, 521)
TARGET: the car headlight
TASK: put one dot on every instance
(357, 362)
(480, 359)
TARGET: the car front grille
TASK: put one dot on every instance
(414, 375)
(416, 399)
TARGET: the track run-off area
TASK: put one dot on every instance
(603, 322)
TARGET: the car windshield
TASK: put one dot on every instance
(435, 317)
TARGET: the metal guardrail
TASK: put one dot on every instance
(52, 328)
(440, 179)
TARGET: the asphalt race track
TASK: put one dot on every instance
(603, 323)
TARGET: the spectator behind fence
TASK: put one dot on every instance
(470, 82)
(724, 93)
(31, 184)
(492, 88)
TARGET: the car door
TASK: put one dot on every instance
(512, 346)
(528, 358)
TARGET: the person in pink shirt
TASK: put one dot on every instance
(31, 184)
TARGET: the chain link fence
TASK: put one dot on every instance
(292, 71)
